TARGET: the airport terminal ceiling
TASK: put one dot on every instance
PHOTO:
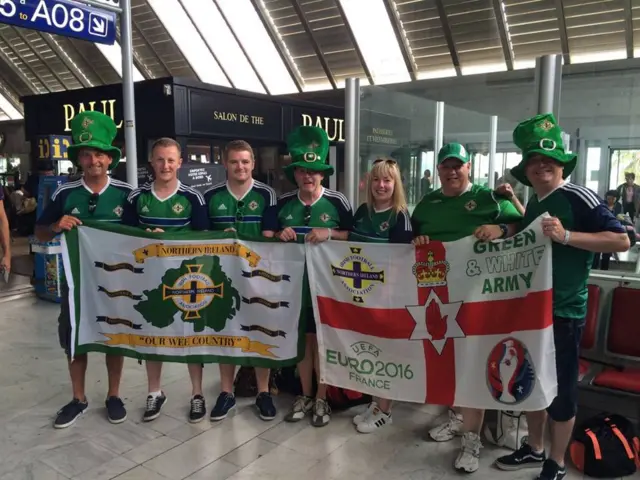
(283, 47)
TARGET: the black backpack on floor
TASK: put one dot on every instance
(606, 446)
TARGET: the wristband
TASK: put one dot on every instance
(504, 230)
(329, 237)
(567, 237)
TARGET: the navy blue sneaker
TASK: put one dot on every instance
(552, 471)
(68, 414)
(524, 457)
(116, 412)
(225, 403)
(266, 408)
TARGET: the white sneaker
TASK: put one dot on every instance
(448, 430)
(361, 417)
(468, 459)
(377, 419)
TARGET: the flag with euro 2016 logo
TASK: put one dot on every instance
(184, 297)
(464, 323)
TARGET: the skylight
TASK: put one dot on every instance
(113, 54)
(183, 32)
(215, 31)
(255, 39)
(379, 45)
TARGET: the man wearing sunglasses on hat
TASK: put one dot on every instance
(456, 210)
(168, 205)
(238, 205)
(314, 214)
(95, 197)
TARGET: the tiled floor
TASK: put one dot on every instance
(33, 385)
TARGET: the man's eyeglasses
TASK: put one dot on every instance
(307, 215)
(93, 202)
(240, 211)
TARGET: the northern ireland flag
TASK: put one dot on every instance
(464, 323)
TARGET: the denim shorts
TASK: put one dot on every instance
(567, 333)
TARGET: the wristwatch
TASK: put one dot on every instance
(504, 230)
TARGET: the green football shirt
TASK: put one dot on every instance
(330, 210)
(77, 199)
(245, 214)
(184, 209)
(579, 210)
(447, 219)
(385, 226)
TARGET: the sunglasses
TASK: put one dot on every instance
(307, 215)
(93, 202)
(388, 161)
(240, 211)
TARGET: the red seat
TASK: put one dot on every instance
(627, 380)
(583, 368)
(622, 341)
(591, 322)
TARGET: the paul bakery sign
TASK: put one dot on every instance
(108, 107)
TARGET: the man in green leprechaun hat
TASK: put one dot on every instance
(96, 196)
(579, 225)
(314, 214)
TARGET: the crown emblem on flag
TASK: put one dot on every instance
(432, 273)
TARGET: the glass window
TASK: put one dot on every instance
(198, 152)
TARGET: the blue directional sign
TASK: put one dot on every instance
(64, 17)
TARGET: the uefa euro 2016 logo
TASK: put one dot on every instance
(510, 372)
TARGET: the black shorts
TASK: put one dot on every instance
(567, 333)
(311, 321)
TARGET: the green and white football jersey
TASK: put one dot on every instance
(447, 219)
(245, 214)
(77, 199)
(330, 210)
(383, 226)
(184, 209)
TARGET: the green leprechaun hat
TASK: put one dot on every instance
(541, 135)
(308, 147)
(93, 130)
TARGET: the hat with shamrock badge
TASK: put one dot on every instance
(93, 130)
(308, 147)
(541, 135)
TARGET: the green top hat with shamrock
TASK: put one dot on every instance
(541, 135)
(308, 147)
(93, 130)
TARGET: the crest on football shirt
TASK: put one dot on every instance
(118, 210)
(177, 208)
(325, 217)
(384, 226)
(253, 205)
(470, 205)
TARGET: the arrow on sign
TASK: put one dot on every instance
(99, 25)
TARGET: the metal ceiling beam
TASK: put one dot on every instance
(628, 27)
(402, 41)
(86, 60)
(26, 64)
(448, 35)
(278, 46)
(12, 66)
(142, 68)
(149, 45)
(65, 59)
(11, 95)
(562, 25)
(181, 2)
(314, 43)
(22, 36)
(244, 52)
(353, 40)
(502, 30)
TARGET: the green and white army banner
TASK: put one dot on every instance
(184, 297)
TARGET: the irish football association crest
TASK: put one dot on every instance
(177, 208)
(384, 226)
(253, 205)
(470, 205)
(432, 273)
(357, 274)
(325, 217)
(192, 291)
(118, 211)
(510, 372)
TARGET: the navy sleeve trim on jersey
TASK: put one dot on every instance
(212, 191)
(401, 231)
(586, 195)
(591, 214)
(65, 186)
(192, 193)
(267, 192)
(344, 209)
(345, 203)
